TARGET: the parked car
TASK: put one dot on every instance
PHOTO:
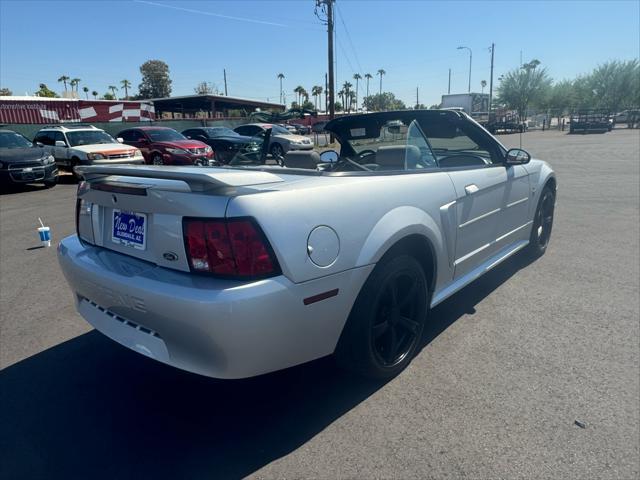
(281, 140)
(73, 145)
(22, 161)
(301, 129)
(165, 146)
(225, 142)
(234, 272)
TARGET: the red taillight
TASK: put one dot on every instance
(234, 248)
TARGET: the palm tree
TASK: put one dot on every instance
(113, 90)
(357, 77)
(86, 92)
(346, 87)
(368, 77)
(64, 79)
(381, 72)
(125, 84)
(483, 84)
(316, 91)
(74, 83)
(280, 77)
(298, 91)
(95, 95)
(341, 95)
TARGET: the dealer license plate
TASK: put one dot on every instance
(129, 228)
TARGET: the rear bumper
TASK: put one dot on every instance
(212, 327)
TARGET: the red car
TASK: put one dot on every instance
(165, 146)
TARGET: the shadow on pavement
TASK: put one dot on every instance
(88, 408)
(13, 188)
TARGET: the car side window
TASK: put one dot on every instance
(126, 135)
(58, 136)
(44, 138)
(243, 130)
(136, 135)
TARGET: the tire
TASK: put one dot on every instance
(156, 159)
(51, 183)
(74, 163)
(276, 150)
(384, 330)
(542, 224)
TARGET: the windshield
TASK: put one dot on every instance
(165, 135)
(395, 145)
(89, 137)
(221, 131)
(277, 129)
(13, 140)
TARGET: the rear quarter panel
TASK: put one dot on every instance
(369, 215)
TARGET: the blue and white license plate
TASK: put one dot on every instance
(129, 228)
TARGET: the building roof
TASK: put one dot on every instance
(203, 102)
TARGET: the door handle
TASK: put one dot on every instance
(471, 189)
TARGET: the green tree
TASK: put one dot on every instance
(45, 92)
(155, 80)
(298, 91)
(5, 92)
(64, 79)
(126, 84)
(86, 92)
(338, 106)
(483, 84)
(383, 101)
(205, 88)
(307, 105)
(615, 85)
(381, 72)
(95, 94)
(108, 96)
(346, 87)
(113, 89)
(522, 87)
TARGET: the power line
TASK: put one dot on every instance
(355, 53)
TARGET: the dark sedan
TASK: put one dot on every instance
(225, 142)
(22, 161)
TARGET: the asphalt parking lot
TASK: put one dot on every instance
(508, 365)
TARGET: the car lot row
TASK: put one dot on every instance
(65, 146)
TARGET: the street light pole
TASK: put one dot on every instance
(470, 60)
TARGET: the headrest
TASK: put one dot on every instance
(397, 157)
(302, 159)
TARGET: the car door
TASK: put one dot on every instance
(136, 138)
(46, 139)
(515, 218)
(61, 154)
(480, 192)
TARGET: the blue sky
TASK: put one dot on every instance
(102, 42)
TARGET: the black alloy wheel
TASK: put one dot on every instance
(157, 159)
(384, 329)
(542, 223)
(277, 151)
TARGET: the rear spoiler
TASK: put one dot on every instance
(199, 179)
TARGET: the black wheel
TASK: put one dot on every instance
(276, 151)
(386, 323)
(156, 159)
(74, 163)
(542, 224)
(51, 183)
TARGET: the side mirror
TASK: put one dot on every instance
(40, 144)
(60, 143)
(517, 156)
(120, 140)
(329, 156)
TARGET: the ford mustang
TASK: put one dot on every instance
(237, 271)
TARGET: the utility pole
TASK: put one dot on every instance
(225, 81)
(449, 89)
(493, 47)
(326, 87)
(417, 98)
(332, 104)
(326, 8)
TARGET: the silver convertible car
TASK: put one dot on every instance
(242, 270)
